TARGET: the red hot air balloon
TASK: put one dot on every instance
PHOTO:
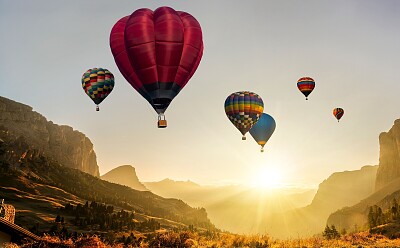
(157, 52)
(338, 113)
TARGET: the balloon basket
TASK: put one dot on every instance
(262, 149)
(97, 108)
(243, 137)
(162, 122)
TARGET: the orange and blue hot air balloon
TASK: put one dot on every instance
(243, 109)
(263, 130)
(157, 52)
(97, 84)
(306, 85)
(338, 113)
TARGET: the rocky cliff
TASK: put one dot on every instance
(389, 157)
(124, 175)
(61, 143)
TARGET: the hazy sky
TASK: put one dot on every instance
(350, 48)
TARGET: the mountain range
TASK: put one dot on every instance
(44, 166)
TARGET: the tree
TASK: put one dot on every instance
(371, 218)
(330, 232)
(58, 219)
(394, 209)
(335, 234)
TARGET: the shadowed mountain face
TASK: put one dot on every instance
(124, 175)
(61, 143)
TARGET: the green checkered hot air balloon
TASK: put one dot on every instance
(97, 84)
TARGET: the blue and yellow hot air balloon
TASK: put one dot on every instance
(97, 84)
(263, 130)
(243, 109)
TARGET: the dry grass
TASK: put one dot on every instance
(189, 239)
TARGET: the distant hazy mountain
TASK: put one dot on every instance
(234, 208)
(124, 175)
(337, 191)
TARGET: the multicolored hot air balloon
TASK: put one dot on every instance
(263, 130)
(243, 109)
(157, 52)
(98, 84)
(338, 113)
(306, 85)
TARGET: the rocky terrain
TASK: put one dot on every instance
(387, 183)
(61, 143)
(389, 157)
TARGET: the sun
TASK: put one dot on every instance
(268, 178)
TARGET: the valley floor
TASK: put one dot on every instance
(194, 239)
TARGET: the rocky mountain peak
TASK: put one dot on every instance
(389, 156)
(61, 143)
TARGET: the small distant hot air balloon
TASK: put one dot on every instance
(263, 130)
(97, 84)
(243, 109)
(306, 85)
(338, 113)
(157, 52)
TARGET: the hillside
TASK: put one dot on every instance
(124, 175)
(61, 143)
(38, 186)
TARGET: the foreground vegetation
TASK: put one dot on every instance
(214, 240)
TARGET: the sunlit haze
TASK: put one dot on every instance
(350, 48)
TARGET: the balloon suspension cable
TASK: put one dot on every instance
(97, 108)
(243, 137)
(337, 120)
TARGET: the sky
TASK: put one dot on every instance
(351, 48)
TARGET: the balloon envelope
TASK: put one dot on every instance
(157, 52)
(306, 85)
(97, 84)
(263, 129)
(338, 113)
(243, 109)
